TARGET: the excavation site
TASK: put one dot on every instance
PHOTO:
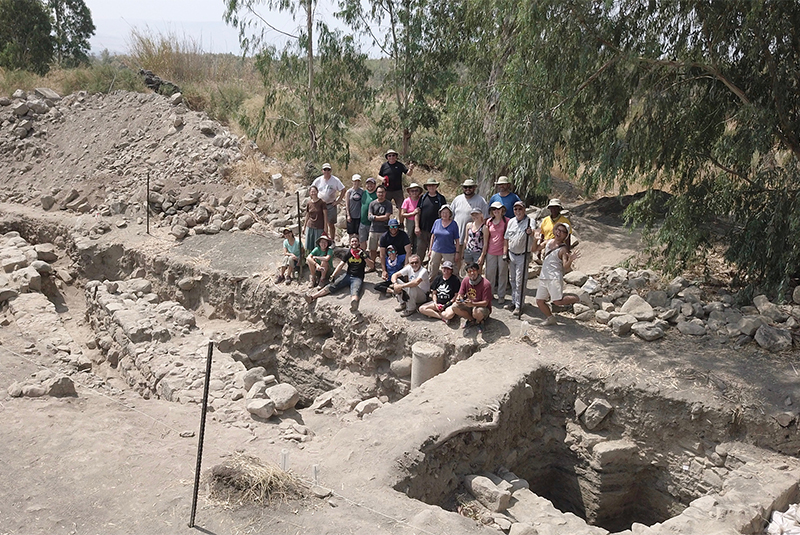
(132, 254)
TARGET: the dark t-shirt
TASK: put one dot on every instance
(356, 263)
(429, 210)
(395, 173)
(445, 290)
(400, 241)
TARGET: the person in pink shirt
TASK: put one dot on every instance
(409, 211)
(496, 265)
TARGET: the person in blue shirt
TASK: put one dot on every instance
(505, 195)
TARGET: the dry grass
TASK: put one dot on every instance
(245, 479)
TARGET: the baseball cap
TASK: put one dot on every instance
(476, 211)
(497, 204)
(356, 177)
(447, 264)
(371, 179)
(326, 166)
(394, 223)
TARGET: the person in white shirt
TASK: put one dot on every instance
(331, 191)
(414, 292)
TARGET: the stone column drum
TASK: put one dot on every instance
(427, 361)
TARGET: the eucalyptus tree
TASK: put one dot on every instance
(25, 41)
(694, 97)
(409, 34)
(72, 28)
(311, 94)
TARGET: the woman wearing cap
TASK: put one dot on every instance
(444, 240)
(316, 212)
(291, 255)
(352, 206)
(444, 289)
(319, 262)
(496, 267)
(409, 211)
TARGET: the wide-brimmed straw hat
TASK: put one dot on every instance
(502, 180)
(432, 182)
(413, 185)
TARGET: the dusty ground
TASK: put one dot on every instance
(110, 462)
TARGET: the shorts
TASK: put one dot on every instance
(396, 196)
(485, 311)
(354, 283)
(331, 213)
(363, 233)
(471, 257)
(552, 289)
(352, 226)
(374, 239)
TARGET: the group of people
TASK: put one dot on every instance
(423, 250)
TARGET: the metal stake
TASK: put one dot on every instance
(202, 433)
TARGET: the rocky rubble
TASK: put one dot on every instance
(639, 302)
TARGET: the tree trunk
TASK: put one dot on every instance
(312, 129)
(406, 142)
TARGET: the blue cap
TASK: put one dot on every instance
(394, 223)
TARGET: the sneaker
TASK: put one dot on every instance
(399, 308)
(280, 279)
(407, 312)
(354, 306)
(288, 281)
(550, 320)
(515, 312)
(467, 324)
(510, 306)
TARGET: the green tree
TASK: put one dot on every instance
(311, 97)
(73, 26)
(25, 41)
(698, 98)
(408, 33)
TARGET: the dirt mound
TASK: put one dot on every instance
(609, 210)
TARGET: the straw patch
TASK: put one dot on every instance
(247, 479)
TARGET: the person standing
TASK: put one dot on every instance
(429, 205)
(555, 217)
(517, 236)
(352, 206)
(462, 207)
(505, 195)
(393, 170)
(477, 237)
(557, 259)
(444, 240)
(380, 212)
(496, 266)
(414, 291)
(366, 198)
(316, 212)
(409, 212)
(331, 191)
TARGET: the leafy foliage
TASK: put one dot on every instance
(25, 41)
(73, 26)
(698, 98)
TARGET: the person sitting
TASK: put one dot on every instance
(396, 237)
(355, 266)
(474, 299)
(320, 261)
(444, 290)
(291, 256)
(394, 263)
(414, 291)
(557, 258)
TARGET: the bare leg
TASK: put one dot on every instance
(542, 304)
(429, 309)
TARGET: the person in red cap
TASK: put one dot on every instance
(393, 171)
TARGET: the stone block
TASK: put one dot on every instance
(621, 325)
(284, 395)
(596, 413)
(368, 406)
(647, 331)
(261, 408)
(773, 339)
(486, 492)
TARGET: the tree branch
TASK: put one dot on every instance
(262, 19)
(585, 84)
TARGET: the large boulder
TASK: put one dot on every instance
(485, 491)
(284, 395)
(773, 339)
(638, 308)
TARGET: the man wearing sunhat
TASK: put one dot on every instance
(394, 170)
(462, 207)
(429, 205)
(331, 191)
(555, 217)
(505, 195)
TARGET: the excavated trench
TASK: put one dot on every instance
(644, 462)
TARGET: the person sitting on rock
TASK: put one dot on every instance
(355, 265)
(474, 299)
(556, 259)
(394, 263)
(291, 256)
(414, 291)
(320, 261)
(444, 290)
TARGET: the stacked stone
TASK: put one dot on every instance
(635, 302)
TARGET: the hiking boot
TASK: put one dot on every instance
(516, 311)
(399, 308)
(354, 306)
(279, 279)
(467, 324)
(510, 306)
(550, 320)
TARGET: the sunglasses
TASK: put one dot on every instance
(414, 262)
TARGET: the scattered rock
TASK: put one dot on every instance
(638, 308)
(284, 395)
(596, 413)
(773, 339)
(262, 408)
(486, 492)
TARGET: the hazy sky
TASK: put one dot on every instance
(198, 19)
